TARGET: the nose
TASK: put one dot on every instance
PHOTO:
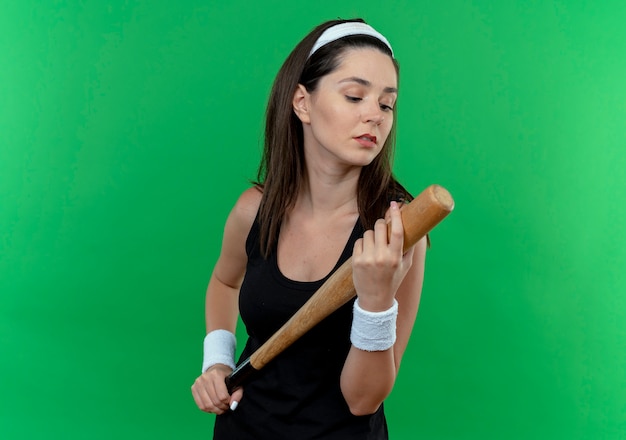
(373, 114)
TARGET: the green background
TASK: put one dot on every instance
(128, 129)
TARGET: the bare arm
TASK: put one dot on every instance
(382, 272)
(221, 307)
(221, 310)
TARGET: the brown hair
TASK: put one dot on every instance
(281, 171)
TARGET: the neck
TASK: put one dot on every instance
(328, 193)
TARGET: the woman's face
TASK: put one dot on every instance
(347, 119)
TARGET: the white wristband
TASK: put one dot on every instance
(373, 331)
(219, 348)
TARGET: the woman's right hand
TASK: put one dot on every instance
(210, 392)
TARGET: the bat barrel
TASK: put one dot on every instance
(424, 213)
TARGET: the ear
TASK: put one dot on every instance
(301, 104)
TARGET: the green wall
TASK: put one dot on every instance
(127, 130)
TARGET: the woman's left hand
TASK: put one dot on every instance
(379, 263)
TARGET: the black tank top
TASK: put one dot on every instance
(297, 395)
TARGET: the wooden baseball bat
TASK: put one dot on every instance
(418, 218)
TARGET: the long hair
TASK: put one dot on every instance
(282, 168)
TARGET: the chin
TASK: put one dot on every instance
(365, 161)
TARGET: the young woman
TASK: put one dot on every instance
(325, 192)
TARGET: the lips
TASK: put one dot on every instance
(368, 140)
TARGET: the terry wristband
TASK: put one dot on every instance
(219, 348)
(373, 331)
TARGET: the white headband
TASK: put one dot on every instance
(345, 29)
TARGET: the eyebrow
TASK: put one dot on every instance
(367, 83)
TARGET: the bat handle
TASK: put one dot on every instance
(239, 376)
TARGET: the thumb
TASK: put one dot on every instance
(235, 398)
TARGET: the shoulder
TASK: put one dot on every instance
(231, 264)
(247, 206)
(244, 212)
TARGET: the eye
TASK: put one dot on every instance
(353, 98)
(386, 108)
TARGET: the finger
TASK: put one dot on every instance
(202, 397)
(221, 392)
(368, 241)
(206, 396)
(388, 216)
(358, 247)
(396, 240)
(235, 398)
(196, 398)
(380, 231)
(220, 397)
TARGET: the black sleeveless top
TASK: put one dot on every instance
(297, 395)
